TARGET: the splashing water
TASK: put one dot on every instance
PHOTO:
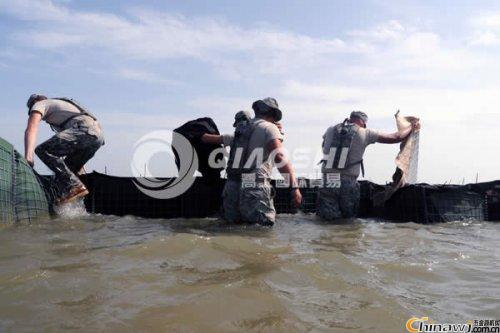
(71, 210)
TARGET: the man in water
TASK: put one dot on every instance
(343, 147)
(254, 149)
(78, 136)
(226, 139)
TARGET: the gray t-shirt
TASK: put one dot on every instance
(54, 111)
(361, 140)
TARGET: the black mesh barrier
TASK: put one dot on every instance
(420, 203)
(120, 196)
(491, 191)
(283, 198)
(424, 203)
(309, 196)
(494, 207)
(25, 196)
(368, 190)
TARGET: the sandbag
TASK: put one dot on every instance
(406, 160)
(193, 130)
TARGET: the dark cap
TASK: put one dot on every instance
(359, 114)
(241, 116)
(267, 106)
(33, 99)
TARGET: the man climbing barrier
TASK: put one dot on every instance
(78, 137)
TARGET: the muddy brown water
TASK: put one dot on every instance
(125, 274)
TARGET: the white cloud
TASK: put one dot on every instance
(487, 20)
(435, 104)
(389, 31)
(155, 35)
(486, 28)
(317, 80)
(144, 76)
(44, 10)
(389, 49)
(486, 38)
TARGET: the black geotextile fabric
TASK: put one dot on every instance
(120, 196)
(419, 203)
(193, 130)
(491, 190)
(425, 203)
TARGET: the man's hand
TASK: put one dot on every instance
(30, 161)
(280, 127)
(296, 198)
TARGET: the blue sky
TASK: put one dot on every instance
(148, 65)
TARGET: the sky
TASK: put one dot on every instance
(142, 66)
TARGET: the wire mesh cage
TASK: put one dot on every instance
(22, 198)
(6, 182)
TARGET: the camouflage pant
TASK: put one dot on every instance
(336, 203)
(67, 152)
(249, 205)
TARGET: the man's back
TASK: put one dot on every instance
(54, 111)
(361, 139)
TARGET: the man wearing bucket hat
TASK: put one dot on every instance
(255, 148)
(343, 147)
(78, 137)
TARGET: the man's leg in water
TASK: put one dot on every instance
(256, 204)
(231, 201)
(349, 197)
(327, 206)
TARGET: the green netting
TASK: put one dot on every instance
(6, 189)
(21, 196)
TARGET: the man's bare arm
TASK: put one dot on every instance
(212, 139)
(394, 137)
(276, 150)
(30, 136)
